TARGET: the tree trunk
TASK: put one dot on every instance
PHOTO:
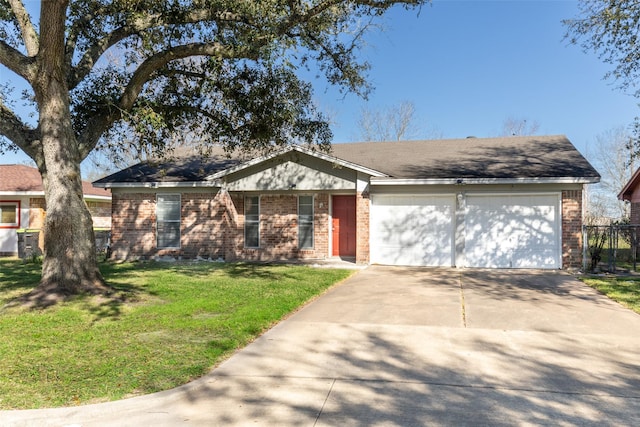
(70, 264)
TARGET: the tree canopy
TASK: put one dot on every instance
(151, 68)
(610, 28)
(98, 73)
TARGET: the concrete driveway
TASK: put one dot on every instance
(413, 346)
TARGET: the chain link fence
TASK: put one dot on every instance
(610, 248)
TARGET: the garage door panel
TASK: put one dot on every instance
(412, 230)
(516, 231)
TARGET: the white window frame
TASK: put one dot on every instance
(158, 220)
(252, 221)
(305, 222)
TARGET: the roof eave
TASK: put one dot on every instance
(96, 197)
(627, 190)
(41, 194)
(480, 181)
(158, 184)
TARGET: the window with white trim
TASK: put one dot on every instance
(168, 220)
(252, 222)
(305, 222)
(9, 214)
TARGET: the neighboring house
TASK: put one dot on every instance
(631, 194)
(22, 205)
(512, 202)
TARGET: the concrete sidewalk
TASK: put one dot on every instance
(413, 346)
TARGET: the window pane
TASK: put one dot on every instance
(8, 214)
(251, 234)
(168, 207)
(252, 222)
(305, 200)
(168, 234)
(302, 219)
(306, 210)
(168, 220)
(252, 205)
(305, 222)
(305, 236)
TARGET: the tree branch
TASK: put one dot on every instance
(14, 60)
(17, 132)
(95, 128)
(29, 35)
(140, 24)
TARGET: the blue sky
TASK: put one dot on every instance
(468, 65)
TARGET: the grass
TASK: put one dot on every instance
(171, 323)
(625, 290)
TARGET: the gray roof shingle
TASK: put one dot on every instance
(508, 157)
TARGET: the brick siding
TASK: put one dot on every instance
(133, 225)
(37, 208)
(362, 228)
(635, 213)
(572, 229)
(212, 226)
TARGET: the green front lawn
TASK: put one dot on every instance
(169, 324)
(625, 290)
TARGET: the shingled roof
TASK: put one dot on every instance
(508, 157)
(22, 178)
(193, 168)
(469, 158)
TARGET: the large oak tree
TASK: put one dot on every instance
(101, 72)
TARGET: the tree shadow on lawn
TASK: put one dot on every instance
(20, 278)
(273, 271)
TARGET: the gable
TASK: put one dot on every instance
(291, 170)
(631, 191)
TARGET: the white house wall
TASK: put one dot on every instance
(9, 236)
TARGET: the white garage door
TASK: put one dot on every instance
(412, 230)
(512, 231)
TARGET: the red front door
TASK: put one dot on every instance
(344, 226)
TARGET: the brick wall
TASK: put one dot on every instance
(37, 212)
(133, 222)
(320, 228)
(362, 228)
(212, 226)
(203, 225)
(572, 229)
(100, 214)
(635, 213)
(278, 229)
(37, 208)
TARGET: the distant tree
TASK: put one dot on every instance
(612, 155)
(394, 123)
(513, 126)
(224, 67)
